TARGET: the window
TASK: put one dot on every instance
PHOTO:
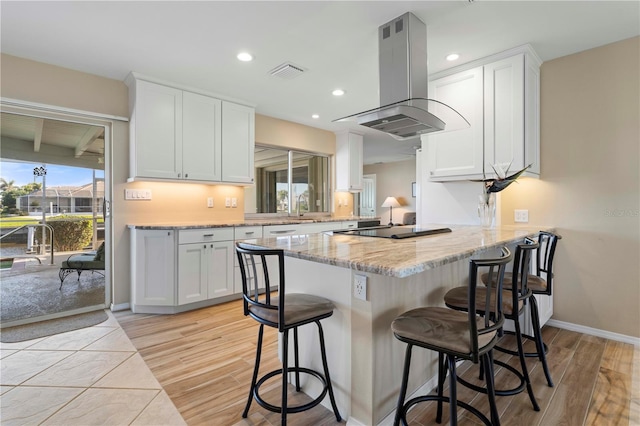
(286, 180)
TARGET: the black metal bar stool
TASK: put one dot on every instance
(513, 301)
(285, 312)
(455, 335)
(545, 253)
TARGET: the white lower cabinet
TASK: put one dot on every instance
(153, 268)
(178, 270)
(205, 267)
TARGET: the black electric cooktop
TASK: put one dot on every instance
(395, 232)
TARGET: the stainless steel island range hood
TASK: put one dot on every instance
(406, 112)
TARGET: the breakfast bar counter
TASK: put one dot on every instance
(364, 358)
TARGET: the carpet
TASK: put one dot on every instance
(34, 291)
(47, 328)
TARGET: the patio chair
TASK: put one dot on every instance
(90, 261)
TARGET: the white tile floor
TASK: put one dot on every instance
(91, 376)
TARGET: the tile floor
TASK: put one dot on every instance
(91, 376)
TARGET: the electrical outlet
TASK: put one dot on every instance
(227, 202)
(210, 202)
(234, 202)
(521, 216)
(360, 287)
(346, 202)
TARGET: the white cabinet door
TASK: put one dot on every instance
(220, 274)
(201, 137)
(193, 262)
(238, 141)
(153, 268)
(157, 135)
(504, 114)
(349, 156)
(460, 152)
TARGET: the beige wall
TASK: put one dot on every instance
(394, 180)
(48, 84)
(41, 83)
(590, 185)
(276, 132)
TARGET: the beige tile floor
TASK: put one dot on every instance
(92, 376)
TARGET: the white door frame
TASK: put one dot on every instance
(15, 106)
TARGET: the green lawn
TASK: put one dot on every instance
(17, 221)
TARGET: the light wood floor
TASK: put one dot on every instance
(204, 360)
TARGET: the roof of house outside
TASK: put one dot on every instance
(84, 191)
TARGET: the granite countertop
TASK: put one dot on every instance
(284, 220)
(398, 257)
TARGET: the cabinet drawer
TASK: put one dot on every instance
(247, 232)
(205, 235)
(282, 230)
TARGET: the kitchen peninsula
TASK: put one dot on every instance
(364, 358)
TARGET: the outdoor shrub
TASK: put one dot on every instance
(71, 233)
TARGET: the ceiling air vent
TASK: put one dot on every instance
(287, 71)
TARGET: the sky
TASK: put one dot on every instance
(22, 174)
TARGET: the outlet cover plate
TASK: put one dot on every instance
(360, 287)
(521, 216)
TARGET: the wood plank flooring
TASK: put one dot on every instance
(204, 360)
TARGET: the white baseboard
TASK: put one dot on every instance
(595, 332)
(120, 307)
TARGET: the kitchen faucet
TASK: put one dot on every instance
(298, 203)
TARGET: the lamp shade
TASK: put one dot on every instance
(390, 202)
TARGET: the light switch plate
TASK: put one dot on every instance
(234, 202)
(210, 202)
(137, 194)
(227, 202)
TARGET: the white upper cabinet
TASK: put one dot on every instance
(459, 152)
(238, 141)
(156, 131)
(183, 135)
(201, 137)
(499, 96)
(349, 153)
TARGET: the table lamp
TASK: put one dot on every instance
(390, 202)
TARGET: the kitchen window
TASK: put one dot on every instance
(288, 180)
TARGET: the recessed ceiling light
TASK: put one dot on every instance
(315, 116)
(244, 57)
(338, 92)
(452, 57)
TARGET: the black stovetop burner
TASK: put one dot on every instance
(395, 232)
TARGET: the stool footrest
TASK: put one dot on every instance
(469, 408)
(297, 408)
(527, 354)
(500, 392)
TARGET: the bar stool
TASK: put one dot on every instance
(286, 312)
(545, 253)
(456, 336)
(513, 301)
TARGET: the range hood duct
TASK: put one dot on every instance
(406, 112)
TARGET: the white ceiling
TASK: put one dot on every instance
(195, 44)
